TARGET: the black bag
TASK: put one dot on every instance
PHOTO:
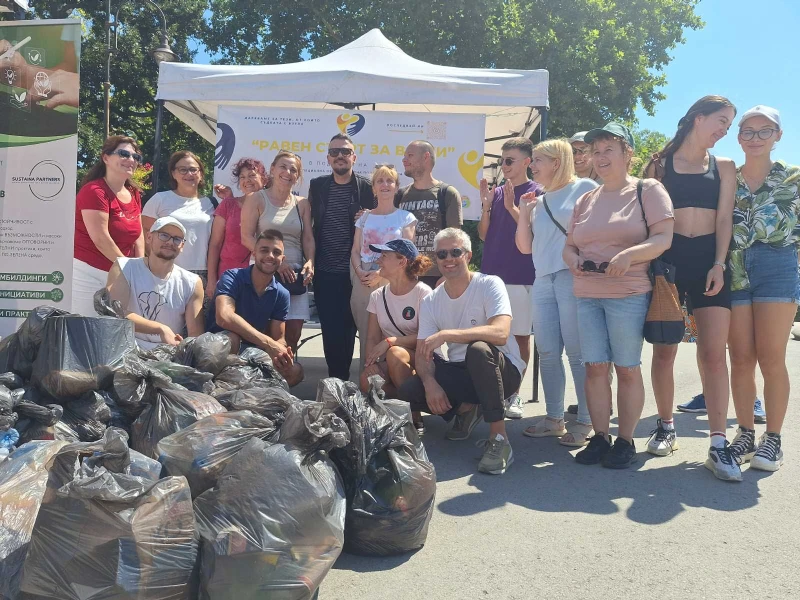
(208, 352)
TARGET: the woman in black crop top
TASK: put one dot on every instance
(702, 189)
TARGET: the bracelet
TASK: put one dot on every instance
(721, 264)
(388, 342)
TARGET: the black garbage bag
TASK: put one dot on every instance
(171, 410)
(103, 533)
(201, 451)
(48, 414)
(80, 354)
(18, 352)
(11, 380)
(163, 352)
(9, 348)
(253, 368)
(23, 478)
(208, 352)
(390, 483)
(7, 400)
(270, 402)
(185, 376)
(134, 385)
(119, 418)
(273, 525)
(105, 306)
(88, 416)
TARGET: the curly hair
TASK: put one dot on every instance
(251, 164)
(418, 266)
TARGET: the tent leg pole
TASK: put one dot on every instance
(157, 145)
(543, 124)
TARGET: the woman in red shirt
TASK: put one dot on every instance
(108, 222)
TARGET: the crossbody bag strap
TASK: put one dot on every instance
(552, 218)
(388, 314)
(641, 205)
(299, 216)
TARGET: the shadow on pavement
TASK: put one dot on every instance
(369, 564)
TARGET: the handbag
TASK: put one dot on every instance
(297, 287)
(552, 218)
(664, 323)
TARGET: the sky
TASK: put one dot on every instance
(748, 53)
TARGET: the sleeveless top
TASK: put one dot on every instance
(285, 219)
(160, 300)
(692, 190)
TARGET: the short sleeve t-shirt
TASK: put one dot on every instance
(195, 215)
(233, 254)
(606, 223)
(500, 254)
(424, 204)
(404, 309)
(257, 310)
(484, 298)
(124, 222)
(379, 229)
(549, 240)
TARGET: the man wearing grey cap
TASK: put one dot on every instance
(159, 297)
(582, 156)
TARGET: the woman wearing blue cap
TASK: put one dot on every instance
(394, 316)
(764, 282)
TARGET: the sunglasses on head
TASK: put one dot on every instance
(454, 252)
(334, 152)
(127, 154)
(387, 165)
(591, 267)
(165, 237)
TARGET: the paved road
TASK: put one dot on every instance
(551, 528)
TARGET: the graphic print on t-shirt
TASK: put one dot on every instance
(409, 313)
(150, 304)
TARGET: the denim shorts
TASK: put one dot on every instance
(773, 275)
(612, 329)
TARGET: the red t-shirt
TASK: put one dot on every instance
(124, 222)
(233, 254)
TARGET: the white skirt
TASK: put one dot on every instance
(86, 280)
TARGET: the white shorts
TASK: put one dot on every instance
(521, 313)
(299, 308)
(86, 280)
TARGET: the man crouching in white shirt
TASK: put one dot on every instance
(158, 296)
(471, 313)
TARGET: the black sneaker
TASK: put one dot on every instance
(744, 444)
(621, 456)
(599, 446)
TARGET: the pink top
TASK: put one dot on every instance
(233, 254)
(604, 224)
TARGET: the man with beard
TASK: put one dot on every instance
(335, 201)
(159, 297)
(435, 204)
(251, 306)
(582, 156)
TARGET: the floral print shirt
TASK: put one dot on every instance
(771, 216)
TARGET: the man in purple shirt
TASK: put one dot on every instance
(498, 226)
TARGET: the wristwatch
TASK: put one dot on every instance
(721, 264)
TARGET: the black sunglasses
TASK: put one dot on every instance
(454, 252)
(127, 154)
(591, 267)
(165, 237)
(387, 165)
(508, 161)
(334, 152)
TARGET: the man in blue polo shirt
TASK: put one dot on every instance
(251, 306)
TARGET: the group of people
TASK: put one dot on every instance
(566, 255)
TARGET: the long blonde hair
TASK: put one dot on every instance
(559, 149)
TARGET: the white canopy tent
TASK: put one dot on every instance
(370, 72)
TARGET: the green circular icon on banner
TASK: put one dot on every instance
(56, 295)
(57, 277)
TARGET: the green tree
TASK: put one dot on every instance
(647, 143)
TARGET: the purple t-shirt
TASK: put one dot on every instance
(500, 254)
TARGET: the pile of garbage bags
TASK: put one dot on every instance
(188, 472)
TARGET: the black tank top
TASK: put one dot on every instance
(692, 190)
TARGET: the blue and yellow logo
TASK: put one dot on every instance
(470, 165)
(350, 124)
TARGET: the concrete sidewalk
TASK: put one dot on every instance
(550, 528)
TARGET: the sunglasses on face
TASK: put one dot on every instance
(581, 152)
(165, 237)
(763, 134)
(334, 152)
(127, 154)
(590, 267)
(454, 252)
(188, 170)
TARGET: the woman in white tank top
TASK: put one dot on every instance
(277, 208)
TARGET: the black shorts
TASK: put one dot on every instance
(693, 259)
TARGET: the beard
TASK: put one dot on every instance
(266, 268)
(341, 170)
(166, 254)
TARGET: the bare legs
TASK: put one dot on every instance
(630, 397)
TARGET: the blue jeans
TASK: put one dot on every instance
(612, 329)
(555, 328)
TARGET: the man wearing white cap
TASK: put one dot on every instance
(159, 297)
(582, 156)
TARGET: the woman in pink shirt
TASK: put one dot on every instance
(225, 248)
(615, 231)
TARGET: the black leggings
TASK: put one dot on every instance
(693, 259)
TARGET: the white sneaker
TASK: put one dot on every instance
(768, 456)
(723, 463)
(514, 407)
(663, 441)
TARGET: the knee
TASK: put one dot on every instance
(236, 342)
(477, 351)
(664, 357)
(396, 356)
(628, 374)
(597, 370)
(712, 359)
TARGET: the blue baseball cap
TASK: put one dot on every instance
(402, 246)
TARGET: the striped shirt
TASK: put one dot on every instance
(336, 241)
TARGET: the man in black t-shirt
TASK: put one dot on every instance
(335, 200)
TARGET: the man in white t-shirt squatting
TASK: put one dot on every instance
(471, 313)
(159, 297)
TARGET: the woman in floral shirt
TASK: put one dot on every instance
(765, 284)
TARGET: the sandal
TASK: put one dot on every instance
(580, 434)
(546, 428)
